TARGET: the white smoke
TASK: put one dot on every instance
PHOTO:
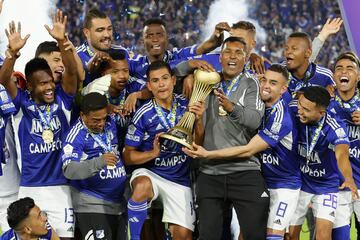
(32, 15)
(230, 11)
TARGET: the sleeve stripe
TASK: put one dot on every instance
(73, 132)
(141, 111)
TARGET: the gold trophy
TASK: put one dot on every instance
(183, 131)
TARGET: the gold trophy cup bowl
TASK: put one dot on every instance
(203, 85)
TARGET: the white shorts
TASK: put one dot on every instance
(4, 204)
(323, 206)
(344, 209)
(282, 207)
(56, 202)
(176, 199)
(356, 207)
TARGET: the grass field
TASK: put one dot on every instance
(306, 236)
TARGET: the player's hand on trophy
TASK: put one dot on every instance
(356, 117)
(198, 152)
(224, 101)
(332, 26)
(110, 159)
(16, 42)
(198, 109)
(201, 64)
(95, 62)
(59, 26)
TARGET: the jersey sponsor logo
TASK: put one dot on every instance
(112, 173)
(312, 172)
(354, 152)
(37, 128)
(45, 147)
(313, 158)
(170, 162)
(354, 132)
(269, 159)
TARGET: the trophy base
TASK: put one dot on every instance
(180, 136)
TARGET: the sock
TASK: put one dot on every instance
(341, 233)
(274, 237)
(137, 213)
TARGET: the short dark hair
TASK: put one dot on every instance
(18, 211)
(47, 47)
(301, 35)
(93, 101)
(318, 95)
(234, 39)
(279, 69)
(92, 14)
(154, 21)
(245, 25)
(349, 55)
(115, 54)
(36, 64)
(156, 66)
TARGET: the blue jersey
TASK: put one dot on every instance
(320, 173)
(1, 61)
(344, 109)
(79, 145)
(315, 76)
(6, 109)
(11, 235)
(280, 164)
(85, 53)
(139, 64)
(146, 123)
(40, 160)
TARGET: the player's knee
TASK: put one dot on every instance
(180, 233)
(142, 189)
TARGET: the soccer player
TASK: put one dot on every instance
(56, 53)
(304, 73)
(160, 172)
(42, 117)
(346, 105)
(276, 141)
(97, 175)
(27, 221)
(323, 148)
(9, 173)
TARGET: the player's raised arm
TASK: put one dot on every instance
(15, 43)
(215, 40)
(57, 31)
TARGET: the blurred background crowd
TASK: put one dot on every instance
(185, 18)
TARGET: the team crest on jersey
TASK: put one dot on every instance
(131, 129)
(100, 233)
(37, 128)
(4, 96)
